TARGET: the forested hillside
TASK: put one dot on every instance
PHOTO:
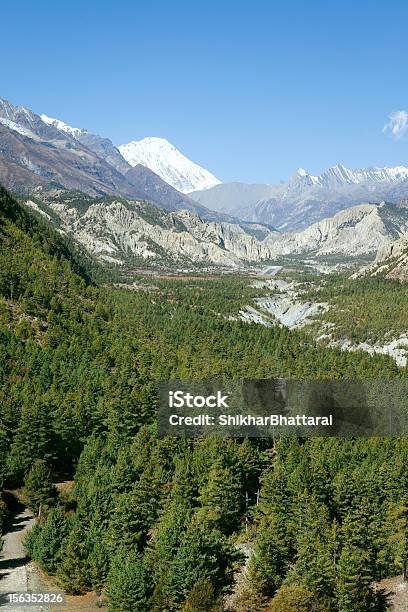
(363, 309)
(153, 523)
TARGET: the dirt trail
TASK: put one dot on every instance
(16, 575)
(397, 591)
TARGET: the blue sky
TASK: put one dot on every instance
(250, 90)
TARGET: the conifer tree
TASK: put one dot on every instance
(38, 486)
(202, 598)
(353, 590)
(128, 585)
(44, 541)
(398, 535)
(295, 599)
(221, 500)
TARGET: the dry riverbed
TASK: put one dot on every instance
(286, 305)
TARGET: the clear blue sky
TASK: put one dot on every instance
(250, 90)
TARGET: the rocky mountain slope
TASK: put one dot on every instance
(306, 198)
(392, 258)
(28, 161)
(103, 147)
(34, 152)
(132, 232)
(169, 163)
(353, 232)
(129, 232)
(150, 186)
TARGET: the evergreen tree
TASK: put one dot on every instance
(295, 599)
(353, 590)
(73, 568)
(271, 560)
(398, 535)
(202, 598)
(44, 541)
(38, 486)
(221, 500)
(128, 584)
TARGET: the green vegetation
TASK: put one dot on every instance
(153, 522)
(365, 309)
(38, 486)
(295, 599)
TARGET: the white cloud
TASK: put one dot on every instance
(397, 124)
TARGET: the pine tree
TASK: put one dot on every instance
(202, 552)
(73, 568)
(221, 500)
(295, 599)
(128, 585)
(353, 580)
(202, 598)
(314, 567)
(398, 538)
(33, 440)
(38, 486)
(271, 559)
(44, 541)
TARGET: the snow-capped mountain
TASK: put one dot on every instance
(36, 152)
(164, 159)
(340, 175)
(63, 127)
(306, 198)
(42, 151)
(98, 144)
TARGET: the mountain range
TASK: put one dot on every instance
(39, 151)
(140, 201)
(137, 233)
(305, 198)
(133, 233)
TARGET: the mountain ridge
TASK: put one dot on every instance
(121, 232)
(305, 198)
(39, 150)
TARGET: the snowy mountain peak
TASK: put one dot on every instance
(63, 127)
(160, 156)
(339, 175)
(302, 172)
(303, 177)
(343, 175)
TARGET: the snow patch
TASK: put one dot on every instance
(12, 125)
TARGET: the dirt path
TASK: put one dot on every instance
(16, 575)
(397, 591)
